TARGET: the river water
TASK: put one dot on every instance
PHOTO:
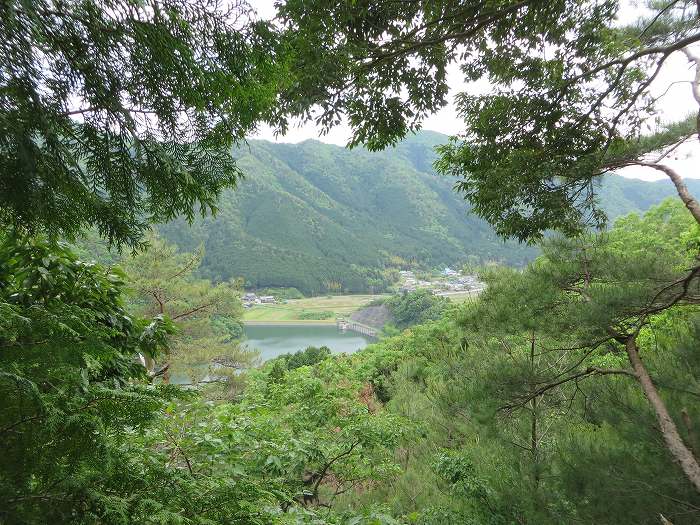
(273, 340)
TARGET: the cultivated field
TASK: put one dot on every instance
(294, 310)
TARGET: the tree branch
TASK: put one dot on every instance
(588, 372)
(674, 442)
(186, 267)
(192, 311)
(658, 15)
(480, 22)
(655, 50)
(328, 465)
(692, 57)
(681, 188)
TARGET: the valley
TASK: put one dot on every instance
(480, 325)
(328, 220)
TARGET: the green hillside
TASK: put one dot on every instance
(324, 218)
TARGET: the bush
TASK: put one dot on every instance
(308, 357)
(230, 327)
(377, 302)
(416, 307)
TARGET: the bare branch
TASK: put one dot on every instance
(692, 57)
(193, 310)
(588, 372)
(328, 465)
(655, 50)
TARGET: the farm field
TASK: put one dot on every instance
(300, 310)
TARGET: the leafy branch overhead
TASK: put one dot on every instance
(117, 114)
(569, 92)
(121, 113)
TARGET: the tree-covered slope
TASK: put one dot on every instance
(324, 218)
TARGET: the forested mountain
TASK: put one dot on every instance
(320, 217)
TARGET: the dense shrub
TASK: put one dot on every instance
(416, 307)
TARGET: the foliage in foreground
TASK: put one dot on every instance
(88, 439)
(529, 418)
(119, 114)
(70, 380)
(500, 411)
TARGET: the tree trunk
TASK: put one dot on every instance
(149, 363)
(680, 452)
(690, 202)
(534, 439)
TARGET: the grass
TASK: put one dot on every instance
(340, 305)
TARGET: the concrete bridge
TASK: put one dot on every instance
(344, 325)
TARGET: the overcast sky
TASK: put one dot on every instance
(676, 103)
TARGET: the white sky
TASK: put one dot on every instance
(677, 102)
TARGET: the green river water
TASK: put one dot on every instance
(273, 340)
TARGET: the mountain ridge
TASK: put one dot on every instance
(323, 218)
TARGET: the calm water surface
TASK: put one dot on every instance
(272, 341)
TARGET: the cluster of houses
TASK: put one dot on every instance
(449, 272)
(460, 283)
(410, 283)
(250, 299)
(449, 281)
